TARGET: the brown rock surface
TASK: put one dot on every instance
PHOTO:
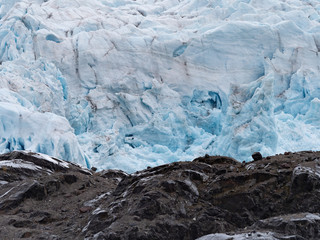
(276, 198)
(41, 199)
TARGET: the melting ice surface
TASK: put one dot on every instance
(130, 84)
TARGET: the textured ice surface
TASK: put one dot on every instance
(131, 84)
(48, 133)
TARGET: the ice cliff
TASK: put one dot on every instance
(129, 84)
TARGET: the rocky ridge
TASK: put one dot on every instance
(212, 197)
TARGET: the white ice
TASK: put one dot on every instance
(131, 84)
(48, 133)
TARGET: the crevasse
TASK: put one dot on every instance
(131, 84)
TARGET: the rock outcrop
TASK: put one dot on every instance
(212, 197)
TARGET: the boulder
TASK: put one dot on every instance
(257, 156)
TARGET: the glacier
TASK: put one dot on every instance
(128, 84)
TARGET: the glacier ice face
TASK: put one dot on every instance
(141, 83)
(55, 136)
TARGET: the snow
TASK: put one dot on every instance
(3, 182)
(251, 166)
(6, 192)
(19, 163)
(50, 159)
(97, 199)
(130, 84)
(243, 236)
(312, 216)
(308, 217)
(192, 187)
(314, 172)
(296, 217)
(98, 211)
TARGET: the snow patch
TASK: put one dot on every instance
(311, 171)
(243, 236)
(19, 163)
(50, 159)
(97, 199)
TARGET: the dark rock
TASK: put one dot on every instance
(257, 156)
(70, 178)
(85, 209)
(26, 235)
(211, 160)
(20, 223)
(274, 198)
(169, 186)
(113, 174)
(41, 217)
(35, 158)
(304, 179)
(36, 191)
(18, 194)
(33, 202)
(52, 186)
(300, 225)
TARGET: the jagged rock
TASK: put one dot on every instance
(214, 196)
(301, 225)
(211, 160)
(192, 199)
(13, 197)
(257, 156)
(51, 164)
(68, 178)
(113, 174)
(305, 178)
(37, 196)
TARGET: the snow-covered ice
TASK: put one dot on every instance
(131, 84)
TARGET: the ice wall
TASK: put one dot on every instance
(38, 132)
(144, 82)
